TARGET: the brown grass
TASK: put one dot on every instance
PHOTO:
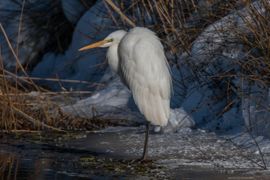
(257, 42)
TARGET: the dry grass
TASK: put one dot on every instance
(178, 22)
(257, 64)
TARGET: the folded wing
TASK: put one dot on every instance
(144, 68)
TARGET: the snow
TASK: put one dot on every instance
(217, 51)
(115, 101)
(191, 148)
(112, 102)
(74, 64)
(28, 48)
(73, 10)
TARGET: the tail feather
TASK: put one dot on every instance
(154, 108)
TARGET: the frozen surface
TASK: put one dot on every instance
(187, 154)
(194, 148)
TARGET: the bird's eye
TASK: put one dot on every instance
(110, 40)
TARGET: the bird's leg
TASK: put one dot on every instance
(145, 148)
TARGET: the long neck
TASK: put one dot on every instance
(112, 56)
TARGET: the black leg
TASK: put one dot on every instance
(145, 142)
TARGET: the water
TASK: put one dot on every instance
(110, 155)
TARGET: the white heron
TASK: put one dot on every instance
(138, 58)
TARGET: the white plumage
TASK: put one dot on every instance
(145, 70)
(138, 57)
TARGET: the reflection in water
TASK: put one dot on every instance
(8, 166)
(39, 164)
(18, 167)
(13, 167)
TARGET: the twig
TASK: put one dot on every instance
(260, 151)
(12, 50)
(46, 93)
(120, 13)
(15, 55)
(20, 27)
(29, 118)
(20, 131)
(111, 14)
(53, 79)
(246, 156)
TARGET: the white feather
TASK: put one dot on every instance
(138, 57)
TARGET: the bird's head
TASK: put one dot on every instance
(113, 38)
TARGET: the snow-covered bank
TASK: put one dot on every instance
(115, 102)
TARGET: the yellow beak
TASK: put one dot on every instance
(94, 45)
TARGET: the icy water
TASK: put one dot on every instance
(110, 154)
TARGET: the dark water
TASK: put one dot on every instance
(86, 157)
(51, 164)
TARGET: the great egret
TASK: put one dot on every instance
(138, 58)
